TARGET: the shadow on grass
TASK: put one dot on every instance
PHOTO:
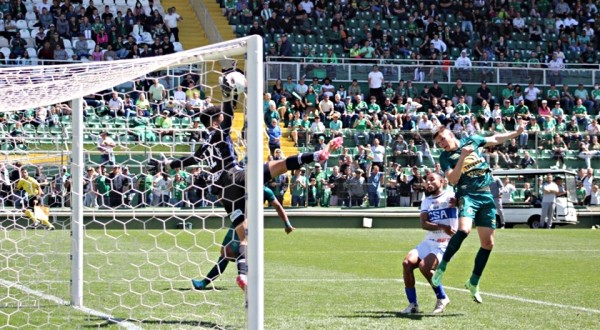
(36, 306)
(168, 323)
(396, 314)
(208, 289)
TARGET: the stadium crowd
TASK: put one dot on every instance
(74, 30)
(387, 125)
(424, 30)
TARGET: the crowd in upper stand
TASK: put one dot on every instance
(74, 30)
(406, 29)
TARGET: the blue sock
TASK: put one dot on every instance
(439, 292)
(411, 294)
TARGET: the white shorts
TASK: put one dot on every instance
(427, 247)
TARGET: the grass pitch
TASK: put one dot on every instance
(314, 279)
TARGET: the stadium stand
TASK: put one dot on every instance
(79, 25)
(386, 33)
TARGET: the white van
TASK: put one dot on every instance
(519, 212)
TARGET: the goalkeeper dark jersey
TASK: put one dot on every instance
(217, 148)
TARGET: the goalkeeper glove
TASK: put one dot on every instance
(162, 165)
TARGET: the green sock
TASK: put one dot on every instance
(442, 265)
(480, 261)
(453, 247)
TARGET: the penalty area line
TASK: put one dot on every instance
(121, 323)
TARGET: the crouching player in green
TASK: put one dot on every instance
(439, 217)
(469, 173)
(231, 243)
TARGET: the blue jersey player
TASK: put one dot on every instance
(439, 217)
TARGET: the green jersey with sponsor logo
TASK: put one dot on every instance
(476, 173)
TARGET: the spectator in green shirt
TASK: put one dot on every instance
(165, 125)
(580, 112)
(596, 97)
(178, 188)
(582, 94)
(508, 114)
(298, 188)
(101, 187)
(508, 93)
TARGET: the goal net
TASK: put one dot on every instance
(102, 241)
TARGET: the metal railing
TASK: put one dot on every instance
(345, 72)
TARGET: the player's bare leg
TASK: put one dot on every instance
(279, 167)
(409, 264)
(426, 266)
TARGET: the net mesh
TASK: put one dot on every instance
(146, 237)
(34, 86)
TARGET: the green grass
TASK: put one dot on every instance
(314, 279)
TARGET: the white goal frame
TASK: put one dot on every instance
(252, 48)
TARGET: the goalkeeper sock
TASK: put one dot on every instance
(242, 266)
(46, 223)
(453, 247)
(217, 270)
(31, 216)
(480, 261)
(295, 162)
(439, 292)
(411, 294)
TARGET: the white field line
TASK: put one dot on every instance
(131, 326)
(495, 295)
(12, 255)
(59, 301)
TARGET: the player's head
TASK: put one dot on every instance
(211, 115)
(434, 183)
(24, 173)
(444, 138)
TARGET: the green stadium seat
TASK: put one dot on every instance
(93, 119)
(321, 40)
(353, 23)
(321, 22)
(455, 52)
(186, 122)
(240, 30)
(311, 40)
(299, 38)
(337, 48)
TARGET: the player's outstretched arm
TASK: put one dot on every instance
(502, 138)
(164, 164)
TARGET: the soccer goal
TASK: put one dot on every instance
(126, 244)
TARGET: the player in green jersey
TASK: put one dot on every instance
(469, 173)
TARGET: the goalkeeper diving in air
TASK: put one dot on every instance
(227, 179)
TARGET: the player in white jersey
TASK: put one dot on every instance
(439, 216)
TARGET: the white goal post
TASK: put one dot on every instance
(37, 86)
